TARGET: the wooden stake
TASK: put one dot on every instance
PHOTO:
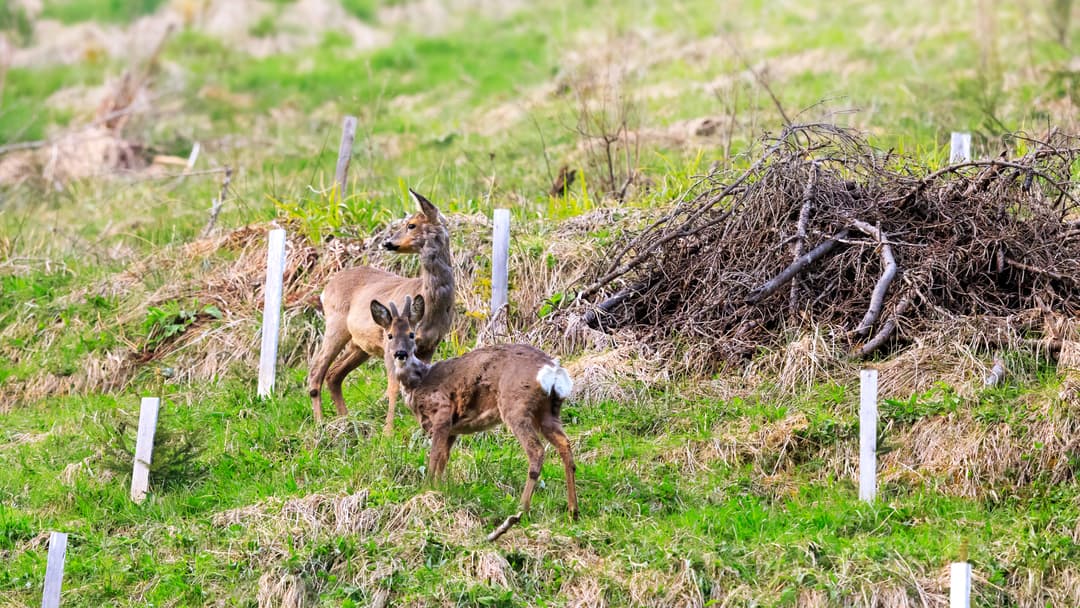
(500, 257)
(341, 174)
(960, 585)
(868, 435)
(144, 448)
(960, 148)
(275, 269)
(54, 570)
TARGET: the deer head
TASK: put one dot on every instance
(424, 226)
(399, 328)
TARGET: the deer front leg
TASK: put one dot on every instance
(441, 442)
(392, 390)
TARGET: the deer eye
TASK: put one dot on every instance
(412, 226)
(389, 336)
(412, 336)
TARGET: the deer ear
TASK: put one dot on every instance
(416, 313)
(380, 314)
(426, 207)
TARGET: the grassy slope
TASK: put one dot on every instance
(665, 520)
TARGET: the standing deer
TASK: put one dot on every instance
(513, 383)
(346, 302)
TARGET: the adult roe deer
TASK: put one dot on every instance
(514, 383)
(346, 303)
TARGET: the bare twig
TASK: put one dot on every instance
(219, 202)
(804, 222)
(762, 82)
(1041, 271)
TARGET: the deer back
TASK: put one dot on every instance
(481, 388)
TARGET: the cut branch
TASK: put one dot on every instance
(887, 329)
(789, 273)
(503, 527)
(877, 299)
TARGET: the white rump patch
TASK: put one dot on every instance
(554, 380)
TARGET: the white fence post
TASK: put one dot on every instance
(500, 257)
(194, 156)
(868, 434)
(275, 270)
(144, 447)
(960, 147)
(960, 585)
(54, 570)
(341, 173)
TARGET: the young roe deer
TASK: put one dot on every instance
(513, 383)
(346, 303)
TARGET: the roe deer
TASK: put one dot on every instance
(514, 383)
(346, 303)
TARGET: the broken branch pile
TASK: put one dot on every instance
(825, 230)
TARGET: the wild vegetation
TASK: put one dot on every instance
(590, 120)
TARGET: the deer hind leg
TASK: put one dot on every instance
(352, 359)
(534, 450)
(335, 339)
(553, 432)
(392, 390)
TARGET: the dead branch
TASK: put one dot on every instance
(887, 329)
(877, 299)
(804, 221)
(1042, 271)
(503, 527)
(775, 283)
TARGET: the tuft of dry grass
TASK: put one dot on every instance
(281, 589)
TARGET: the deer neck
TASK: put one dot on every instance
(437, 285)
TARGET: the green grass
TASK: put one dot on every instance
(640, 509)
(683, 493)
(15, 23)
(110, 11)
(24, 115)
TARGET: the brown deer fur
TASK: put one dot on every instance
(513, 383)
(346, 303)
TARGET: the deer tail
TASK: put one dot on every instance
(556, 383)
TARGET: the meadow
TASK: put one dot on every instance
(733, 489)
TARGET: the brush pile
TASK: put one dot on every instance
(825, 233)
